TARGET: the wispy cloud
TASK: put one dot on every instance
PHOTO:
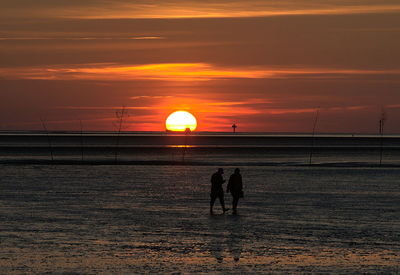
(193, 9)
(102, 107)
(281, 111)
(32, 38)
(150, 97)
(180, 72)
(240, 10)
(393, 106)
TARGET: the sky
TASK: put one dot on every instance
(267, 66)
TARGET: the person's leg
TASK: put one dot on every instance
(222, 201)
(235, 200)
(213, 198)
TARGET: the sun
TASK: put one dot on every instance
(179, 121)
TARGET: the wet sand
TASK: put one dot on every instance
(154, 219)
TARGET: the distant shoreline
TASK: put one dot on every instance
(195, 133)
(192, 163)
(36, 140)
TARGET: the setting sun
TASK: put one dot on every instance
(180, 121)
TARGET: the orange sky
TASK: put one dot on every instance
(265, 65)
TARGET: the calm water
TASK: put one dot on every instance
(200, 149)
(128, 219)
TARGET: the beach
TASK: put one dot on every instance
(115, 115)
(134, 219)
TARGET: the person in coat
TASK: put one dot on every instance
(235, 187)
(216, 190)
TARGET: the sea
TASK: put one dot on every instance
(138, 203)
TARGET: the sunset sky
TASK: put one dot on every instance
(264, 65)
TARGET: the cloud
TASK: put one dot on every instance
(240, 11)
(33, 38)
(180, 72)
(393, 106)
(281, 111)
(101, 107)
(190, 9)
(149, 97)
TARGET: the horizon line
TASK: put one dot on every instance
(41, 131)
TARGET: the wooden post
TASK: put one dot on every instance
(120, 119)
(313, 135)
(48, 139)
(80, 122)
(381, 128)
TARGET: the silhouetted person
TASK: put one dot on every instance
(235, 187)
(216, 190)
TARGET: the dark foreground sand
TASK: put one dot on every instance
(154, 219)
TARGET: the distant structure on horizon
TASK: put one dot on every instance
(234, 126)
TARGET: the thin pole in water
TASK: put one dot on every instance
(48, 138)
(313, 136)
(381, 127)
(187, 133)
(120, 116)
(80, 122)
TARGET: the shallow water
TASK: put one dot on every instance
(200, 149)
(154, 219)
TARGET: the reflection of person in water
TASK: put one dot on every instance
(235, 186)
(235, 239)
(225, 235)
(216, 239)
(216, 190)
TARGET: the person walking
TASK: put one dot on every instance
(235, 187)
(216, 190)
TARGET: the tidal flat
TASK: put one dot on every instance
(128, 219)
